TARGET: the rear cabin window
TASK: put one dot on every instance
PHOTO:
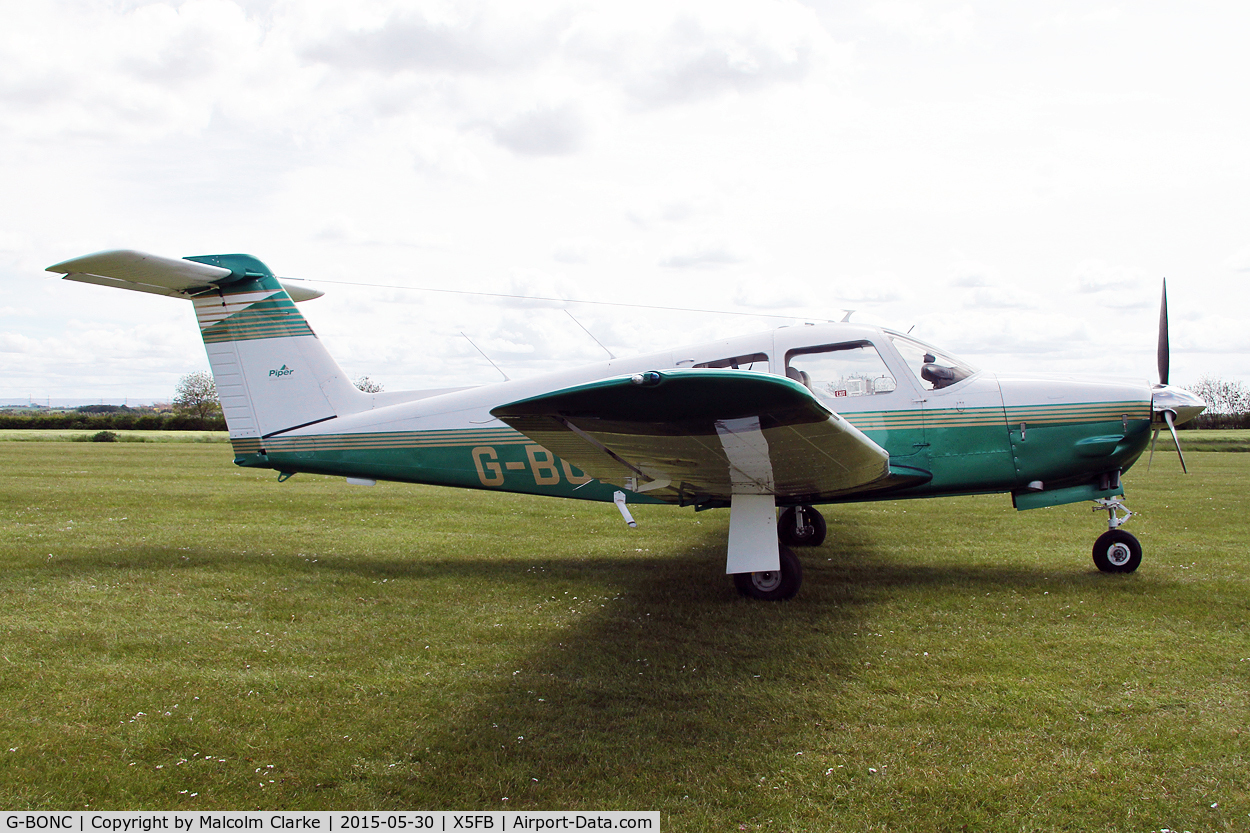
(753, 361)
(839, 371)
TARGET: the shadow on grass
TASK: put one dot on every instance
(675, 688)
(662, 683)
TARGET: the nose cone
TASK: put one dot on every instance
(1181, 403)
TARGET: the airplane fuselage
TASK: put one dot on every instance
(1044, 439)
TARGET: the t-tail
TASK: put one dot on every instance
(273, 374)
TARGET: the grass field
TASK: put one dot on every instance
(182, 634)
(1229, 440)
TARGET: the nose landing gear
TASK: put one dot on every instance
(1116, 551)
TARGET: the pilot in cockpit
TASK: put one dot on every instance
(940, 376)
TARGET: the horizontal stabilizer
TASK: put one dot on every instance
(142, 272)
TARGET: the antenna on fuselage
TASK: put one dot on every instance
(488, 358)
(589, 333)
(846, 319)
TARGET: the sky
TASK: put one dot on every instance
(1011, 180)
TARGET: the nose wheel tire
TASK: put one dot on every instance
(773, 585)
(1117, 551)
(801, 526)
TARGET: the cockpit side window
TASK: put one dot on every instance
(934, 369)
(752, 361)
(835, 371)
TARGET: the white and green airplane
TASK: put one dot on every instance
(783, 420)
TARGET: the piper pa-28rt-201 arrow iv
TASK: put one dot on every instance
(783, 420)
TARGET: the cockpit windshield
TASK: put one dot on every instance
(934, 368)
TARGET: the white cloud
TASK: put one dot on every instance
(667, 54)
(439, 38)
(148, 72)
(924, 23)
(870, 289)
(990, 297)
(970, 274)
(1238, 261)
(702, 254)
(1099, 276)
(573, 249)
(553, 131)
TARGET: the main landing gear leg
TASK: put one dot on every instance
(761, 567)
(801, 526)
(1116, 551)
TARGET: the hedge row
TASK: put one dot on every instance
(1221, 421)
(118, 421)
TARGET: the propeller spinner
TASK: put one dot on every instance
(1172, 406)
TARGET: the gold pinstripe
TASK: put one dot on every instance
(398, 439)
(246, 445)
(1082, 412)
(1067, 413)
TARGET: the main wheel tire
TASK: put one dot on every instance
(1117, 551)
(810, 534)
(773, 585)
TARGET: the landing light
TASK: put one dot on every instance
(649, 378)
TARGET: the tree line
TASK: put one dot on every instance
(119, 420)
(1228, 404)
(196, 408)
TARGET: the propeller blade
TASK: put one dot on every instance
(1151, 458)
(1164, 348)
(1167, 417)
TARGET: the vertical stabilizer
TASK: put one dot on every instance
(273, 374)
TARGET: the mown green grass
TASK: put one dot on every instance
(180, 633)
(1214, 440)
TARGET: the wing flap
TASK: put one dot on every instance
(703, 434)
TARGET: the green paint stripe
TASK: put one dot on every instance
(264, 319)
(227, 332)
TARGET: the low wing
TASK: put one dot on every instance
(142, 272)
(701, 436)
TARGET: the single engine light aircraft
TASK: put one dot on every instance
(784, 420)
